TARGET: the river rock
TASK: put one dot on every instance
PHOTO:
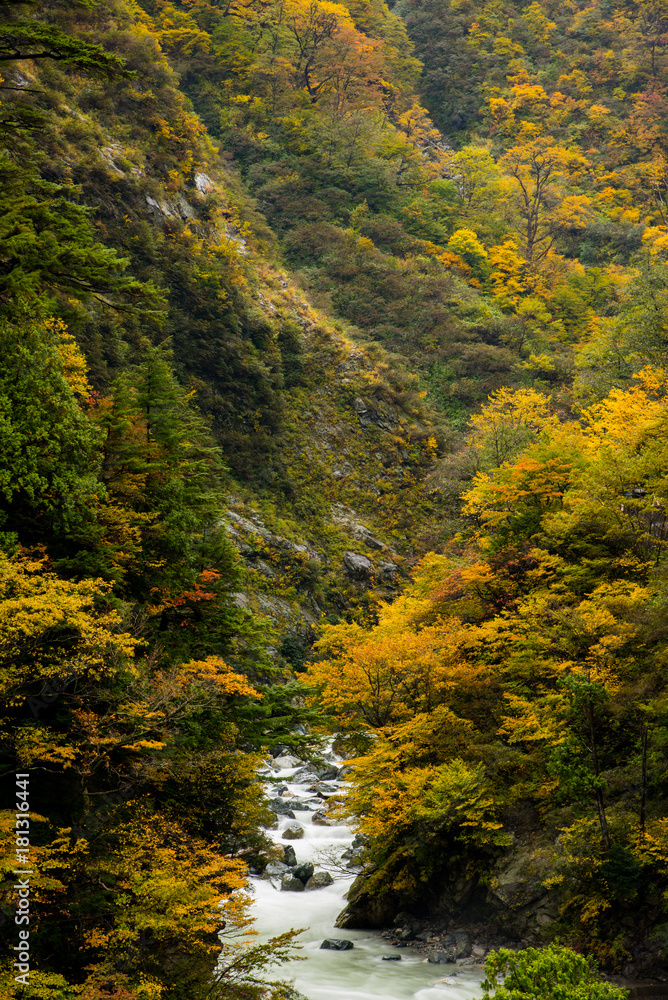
(326, 772)
(300, 806)
(391, 958)
(323, 788)
(305, 776)
(440, 957)
(462, 944)
(276, 868)
(293, 831)
(319, 880)
(289, 855)
(287, 761)
(337, 944)
(291, 884)
(320, 818)
(279, 750)
(282, 807)
(303, 872)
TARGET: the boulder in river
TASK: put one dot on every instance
(287, 761)
(337, 944)
(282, 807)
(303, 872)
(326, 772)
(289, 855)
(322, 788)
(320, 818)
(293, 831)
(391, 958)
(440, 957)
(319, 880)
(276, 868)
(291, 884)
(305, 776)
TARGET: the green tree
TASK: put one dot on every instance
(552, 973)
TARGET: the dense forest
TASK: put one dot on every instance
(333, 403)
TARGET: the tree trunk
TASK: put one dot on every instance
(600, 805)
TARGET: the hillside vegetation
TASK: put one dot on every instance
(347, 323)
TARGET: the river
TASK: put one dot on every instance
(359, 973)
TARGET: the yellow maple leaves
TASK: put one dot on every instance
(50, 627)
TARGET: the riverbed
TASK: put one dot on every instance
(360, 973)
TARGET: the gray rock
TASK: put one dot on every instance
(287, 761)
(279, 750)
(300, 806)
(388, 571)
(463, 944)
(319, 880)
(305, 776)
(276, 868)
(357, 565)
(293, 831)
(326, 772)
(203, 183)
(323, 788)
(282, 807)
(391, 958)
(291, 884)
(336, 944)
(303, 872)
(440, 957)
(289, 855)
(320, 818)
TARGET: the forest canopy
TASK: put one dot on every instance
(333, 403)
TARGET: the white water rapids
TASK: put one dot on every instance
(357, 974)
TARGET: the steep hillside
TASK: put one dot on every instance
(320, 414)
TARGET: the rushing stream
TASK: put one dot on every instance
(359, 973)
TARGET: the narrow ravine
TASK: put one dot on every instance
(360, 973)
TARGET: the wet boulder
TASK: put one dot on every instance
(289, 855)
(322, 788)
(326, 772)
(303, 872)
(282, 807)
(305, 776)
(293, 831)
(291, 884)
(321, 818)
(276, 868)
(319, 880)
(336, 944)
(286, 761)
